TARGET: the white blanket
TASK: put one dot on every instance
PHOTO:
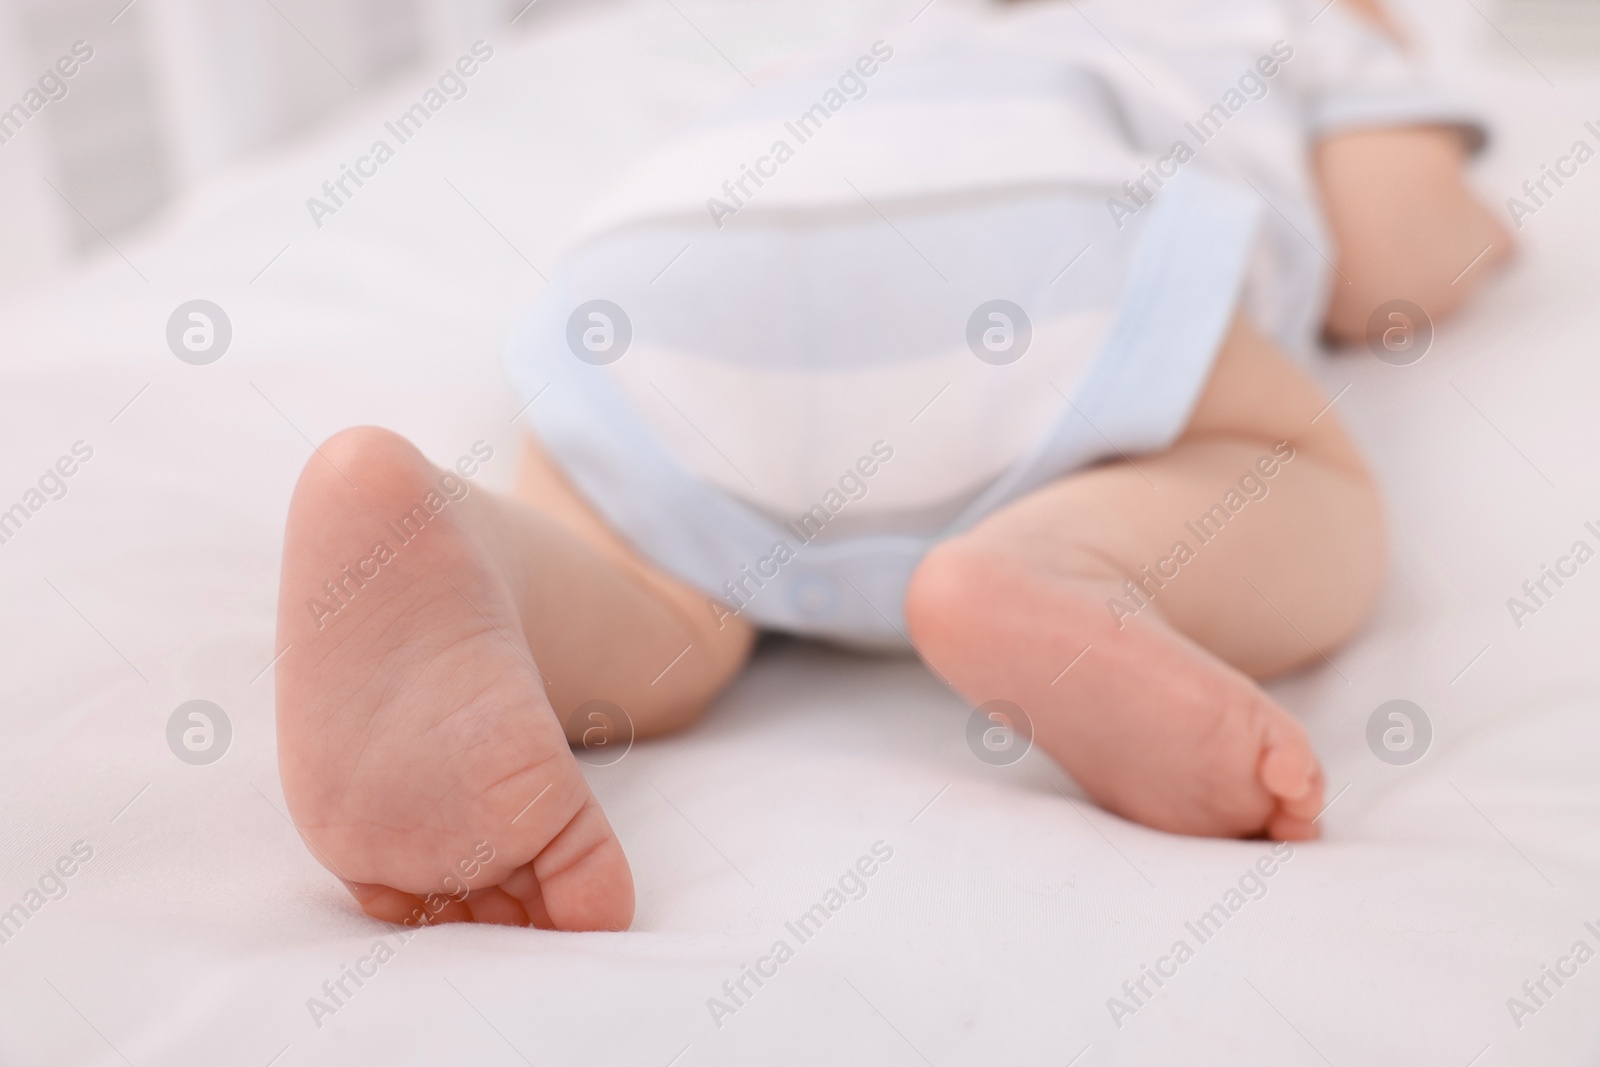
(199, 930)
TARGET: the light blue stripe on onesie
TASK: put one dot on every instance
(1175, 306)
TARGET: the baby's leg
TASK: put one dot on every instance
(1405, 225)
(416, 735)
(1159, 719)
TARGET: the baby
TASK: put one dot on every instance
(978, 341)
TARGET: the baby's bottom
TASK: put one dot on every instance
(424, 724)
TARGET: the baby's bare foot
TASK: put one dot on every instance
(418, 752)
(1153, 726)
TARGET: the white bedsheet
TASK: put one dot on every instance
(1007, 916)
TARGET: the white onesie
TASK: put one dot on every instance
(879, 297)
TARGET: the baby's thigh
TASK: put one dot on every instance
(1263, 485)
(603, 621)
(1260, 427)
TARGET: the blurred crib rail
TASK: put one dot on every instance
(163, 94)
(177, 91)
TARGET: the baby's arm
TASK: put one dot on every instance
(1377, 13)
(1405, 226)
(1404, 223)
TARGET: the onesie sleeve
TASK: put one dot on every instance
(1354, 76)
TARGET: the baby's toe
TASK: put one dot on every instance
(583, 880)
(1285, 827)
(383, 903)
(1308, 805)
(1289, 771)
(523, 885)
(397, 906)
(494, 905)
(1296, 817)
(1288, 768)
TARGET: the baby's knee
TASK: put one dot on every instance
(1365, 546)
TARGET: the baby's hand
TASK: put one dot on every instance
(1405, 225)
